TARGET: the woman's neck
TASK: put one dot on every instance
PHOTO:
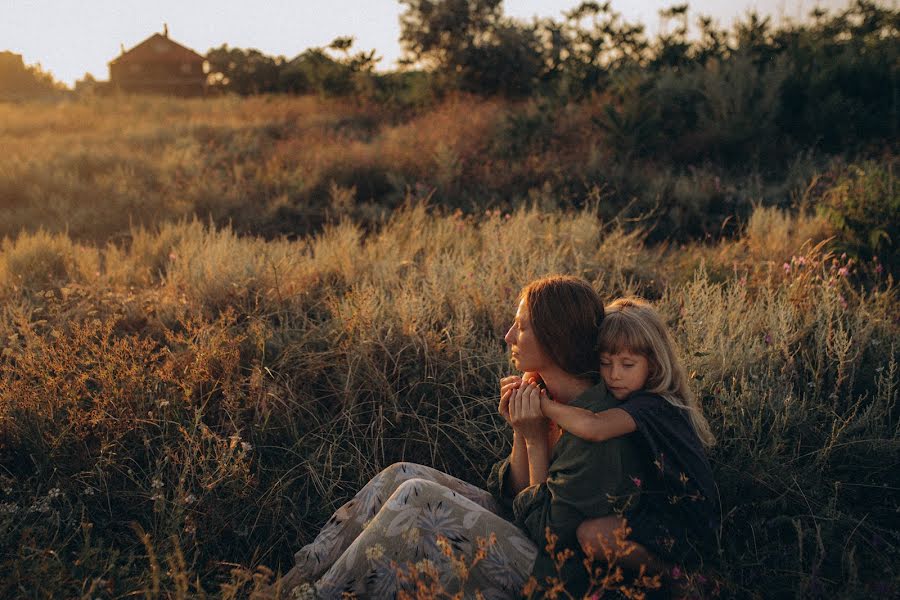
(563, 387)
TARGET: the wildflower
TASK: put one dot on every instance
(246, 447)
(786, 267)
(801, 260)
(843, 271)
(676, 572)
(879, 268)
(190, 499)
(89, 491)
(768, 339)
(636, 481)
(156, 484)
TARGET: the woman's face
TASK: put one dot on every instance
(527, 354)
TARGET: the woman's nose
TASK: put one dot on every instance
(510, 336)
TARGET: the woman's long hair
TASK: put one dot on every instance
(566, 313)
(633, 325)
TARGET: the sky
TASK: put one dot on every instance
(72, 37)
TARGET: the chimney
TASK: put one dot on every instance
(165, 30)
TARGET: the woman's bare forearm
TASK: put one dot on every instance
(538, 462)
(519, 470)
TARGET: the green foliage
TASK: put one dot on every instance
(471, 47)
(243, 71)
(864, 206)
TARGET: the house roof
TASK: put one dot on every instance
(158, 48)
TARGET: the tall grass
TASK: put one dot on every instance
(181, 409)
(96, 168)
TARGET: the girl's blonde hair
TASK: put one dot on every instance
(633, 325)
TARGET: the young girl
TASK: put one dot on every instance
(677, 514)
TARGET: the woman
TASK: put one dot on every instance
(548, 481)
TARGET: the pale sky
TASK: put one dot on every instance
(72, 37)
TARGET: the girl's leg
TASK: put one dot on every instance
(596, 534)
(349, 520)
(403, 537)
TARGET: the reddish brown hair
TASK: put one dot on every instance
(566, 313)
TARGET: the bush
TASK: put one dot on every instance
(864, 207)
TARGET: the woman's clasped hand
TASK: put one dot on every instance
(520, 405)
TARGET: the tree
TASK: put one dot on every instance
(19, 79)
(243, 71)
(470, 45)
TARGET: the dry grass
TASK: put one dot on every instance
(181, 410)
(183, 404)
(97, 168)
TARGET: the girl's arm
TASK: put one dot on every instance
(580, 422)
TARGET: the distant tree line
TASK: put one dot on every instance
(18, 80)
(249, 71)
(830, 81)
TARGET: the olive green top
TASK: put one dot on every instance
(584, 480)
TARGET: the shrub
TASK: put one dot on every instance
(863, 206)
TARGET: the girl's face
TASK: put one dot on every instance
(527, 353)
(624, 372)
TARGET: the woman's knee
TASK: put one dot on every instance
(416, 492)
(398, 469)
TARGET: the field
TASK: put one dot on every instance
(219, 318)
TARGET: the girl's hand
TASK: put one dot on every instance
(546, 405)
(525, 414)
(508, 385)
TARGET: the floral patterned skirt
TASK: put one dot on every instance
(411, 523)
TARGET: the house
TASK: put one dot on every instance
(159, 65)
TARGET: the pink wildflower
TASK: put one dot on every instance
(843, 271)
(768, 339)
(636, 481)
(786, 267)
(676, 572)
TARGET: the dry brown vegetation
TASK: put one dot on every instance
(182, 405)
